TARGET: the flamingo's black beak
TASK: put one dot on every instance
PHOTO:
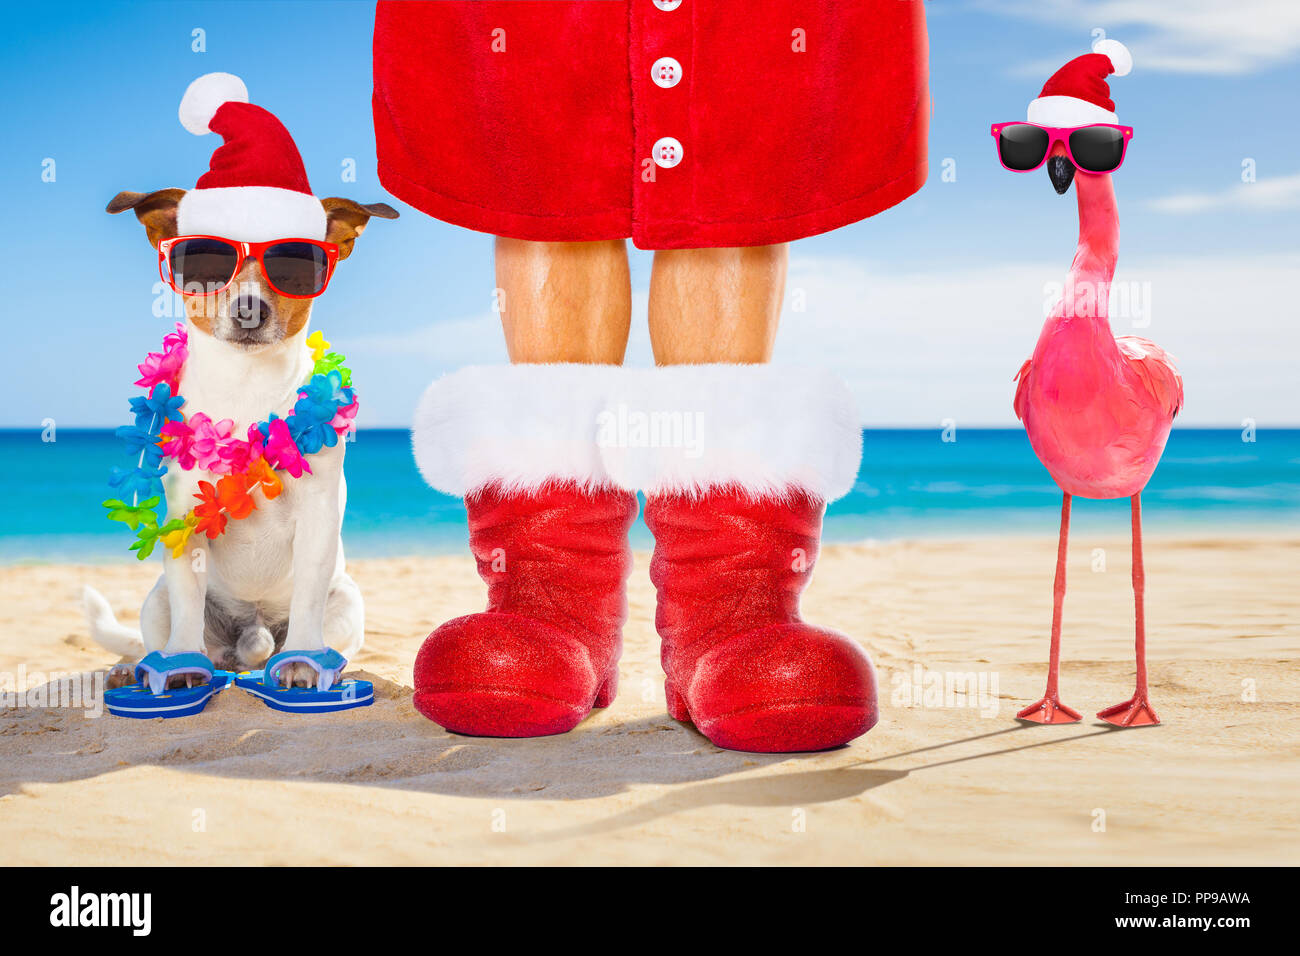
(1061, 172)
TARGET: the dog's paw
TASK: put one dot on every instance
(123, 675)
(296, 674)
(185, 680)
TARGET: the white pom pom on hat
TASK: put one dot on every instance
(205, 96)
(1120, 58)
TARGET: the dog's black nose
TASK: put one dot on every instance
(250, 312)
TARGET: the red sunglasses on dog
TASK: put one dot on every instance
(206, 265)
(1099, 148)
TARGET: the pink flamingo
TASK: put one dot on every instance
(1097, 407)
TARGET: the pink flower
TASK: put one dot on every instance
(178, 339)
(208, 439)
(179, 437)
(240, 455)
(197, 443)
(345, 417)
(281, 451)
(165, 366)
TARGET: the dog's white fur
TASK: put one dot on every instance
(768, 430)
(278, 571)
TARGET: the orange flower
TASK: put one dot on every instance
(261, 474)
(232, 493)
(211, 517)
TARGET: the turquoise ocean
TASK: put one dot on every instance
(912, 484)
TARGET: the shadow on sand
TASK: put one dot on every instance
(390, 745)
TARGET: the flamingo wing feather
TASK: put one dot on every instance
(1022, 378)
(1157, 370)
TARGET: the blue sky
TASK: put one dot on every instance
(927, 309)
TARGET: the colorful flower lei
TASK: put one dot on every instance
(325, 411)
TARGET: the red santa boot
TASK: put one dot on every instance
(548, 530)
(736, 514)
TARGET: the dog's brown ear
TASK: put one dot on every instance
(156, 210)
(347, 220)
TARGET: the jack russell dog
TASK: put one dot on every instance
(275, 580)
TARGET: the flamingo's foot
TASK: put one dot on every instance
(1134, 712)
(1049, 710)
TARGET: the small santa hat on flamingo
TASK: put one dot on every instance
(1077, 94)
(256, 186)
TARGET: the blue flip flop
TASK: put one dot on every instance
(329, 695)
(149, 697)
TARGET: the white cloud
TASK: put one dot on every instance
(918, 347)
(924, 346)
(1278, 192)
(1178, 36)
(442, 346)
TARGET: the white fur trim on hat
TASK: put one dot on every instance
(1120, 58)
(515, 426)
(251, 214)
(686, 429)
(769, 431)
(205, 96)
(1064, 111)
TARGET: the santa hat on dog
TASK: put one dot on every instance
(1077, 94)
(256, 186)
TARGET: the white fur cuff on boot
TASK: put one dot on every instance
(768, 430)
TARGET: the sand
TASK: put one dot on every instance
(1218, 782)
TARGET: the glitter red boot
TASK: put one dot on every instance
(546, 649)
(741, 665)
(548, 530)
(736, 509)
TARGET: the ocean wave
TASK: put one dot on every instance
(1211, 460)
(1280, 494)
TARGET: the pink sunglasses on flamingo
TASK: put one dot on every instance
(1098, 148)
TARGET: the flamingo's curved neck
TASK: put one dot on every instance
(1087, 289)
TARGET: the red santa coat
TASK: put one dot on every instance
(679, 123)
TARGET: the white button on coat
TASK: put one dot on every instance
(666, 72)
(667, 152)
(668, 4)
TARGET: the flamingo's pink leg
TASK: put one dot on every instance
(1050, 710)
(1137, 710)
